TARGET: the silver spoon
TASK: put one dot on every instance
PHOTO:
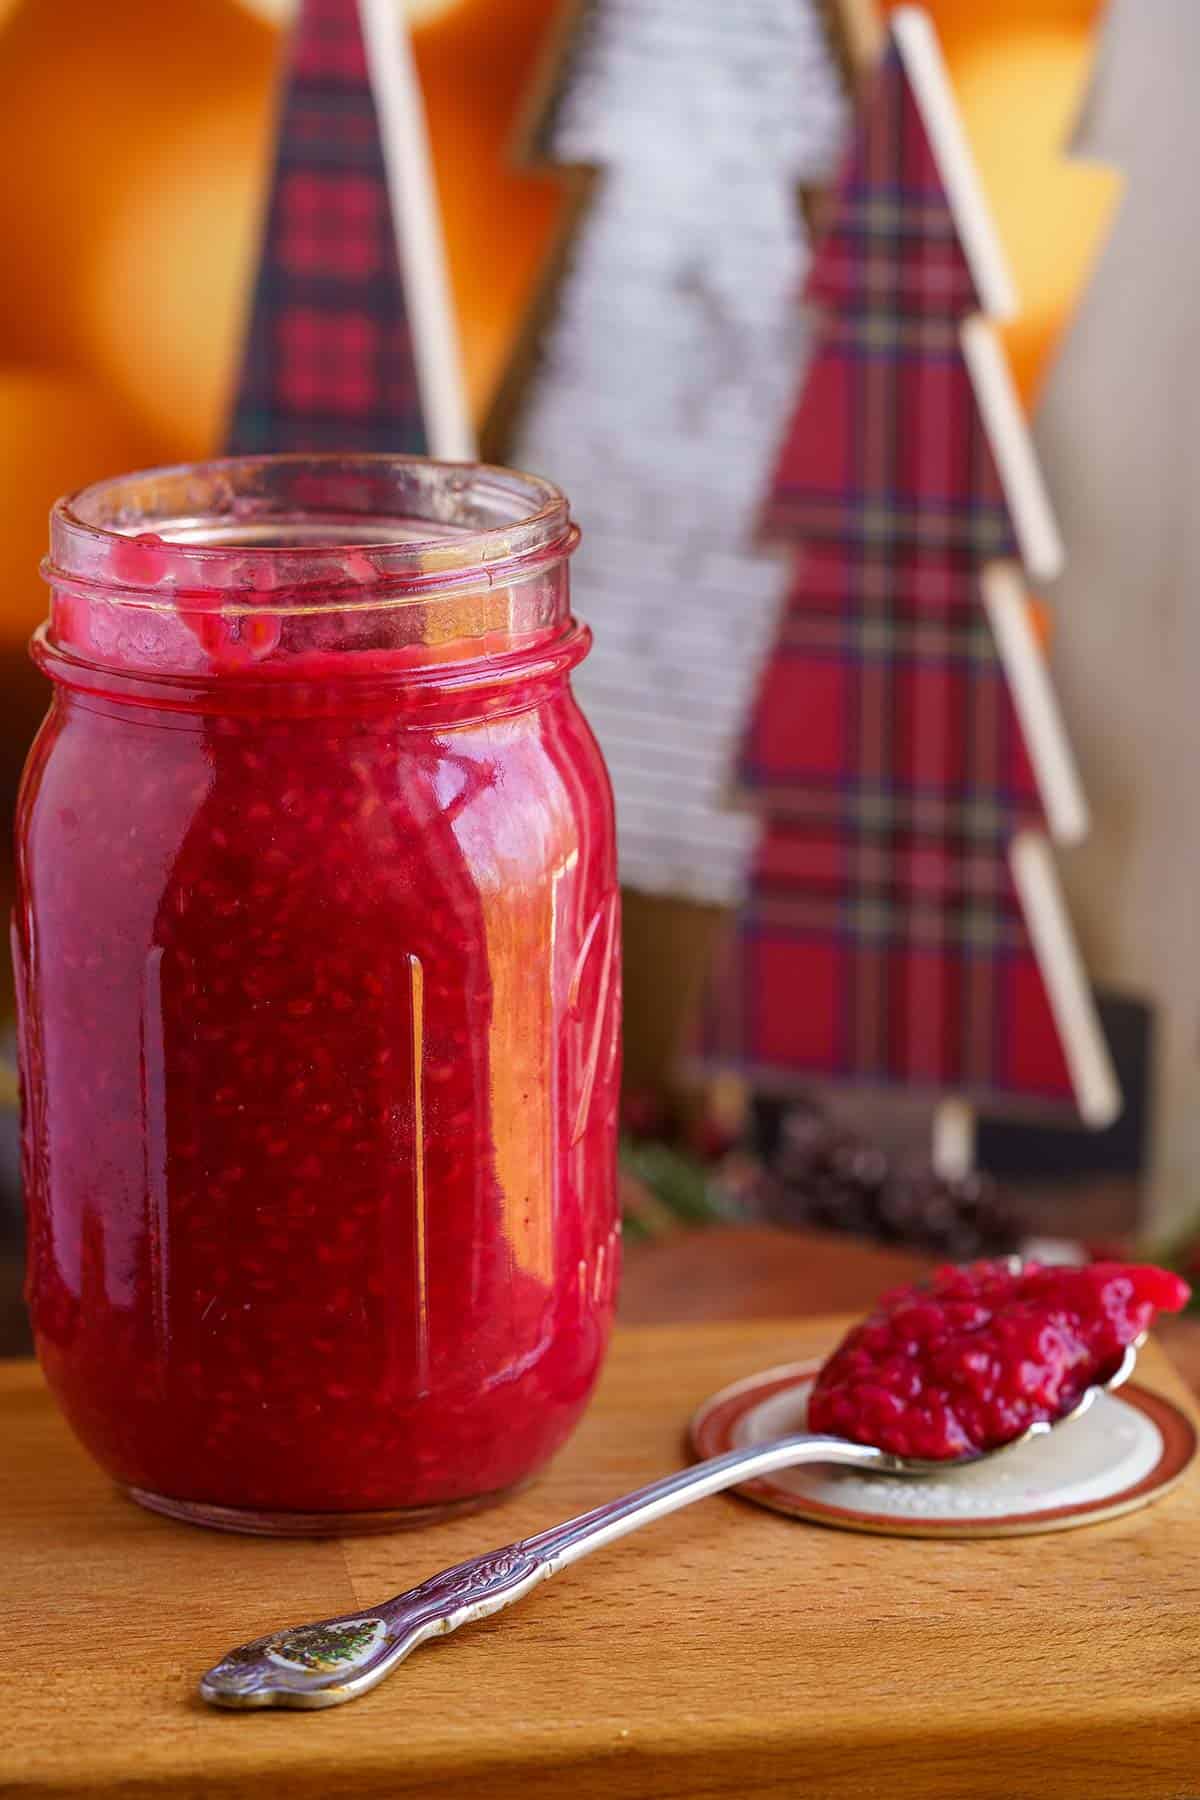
(338, 1659)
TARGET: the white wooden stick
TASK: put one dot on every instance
(1028, 678)
(1097, 1093)
(953, 1147)
(917, 42)
(1016, 459)
(418, 231)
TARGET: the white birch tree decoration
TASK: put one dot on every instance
(663, 385)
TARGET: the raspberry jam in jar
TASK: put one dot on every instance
(317, 957)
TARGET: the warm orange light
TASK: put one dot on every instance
(133, 148)
(57, 432)
(1020, 70)
(137, 137)
(477, 61)
(1042, 620)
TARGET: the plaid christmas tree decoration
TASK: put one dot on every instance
(879, 959)
(913, 585)
(882, 940)
(885, 704)
(328, 361)
(887, 446)
(889, 239)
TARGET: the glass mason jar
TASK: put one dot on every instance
(316, 942)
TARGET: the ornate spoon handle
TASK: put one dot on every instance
(338, 1659)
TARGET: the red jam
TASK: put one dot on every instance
(972, 1360)
(318, 957)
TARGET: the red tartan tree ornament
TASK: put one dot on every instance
(351, 341)
(903, 922)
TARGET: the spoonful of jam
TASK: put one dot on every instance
(981, 1358)
(986, 1354)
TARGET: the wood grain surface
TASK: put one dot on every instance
(758, 1272)
(725, 1653)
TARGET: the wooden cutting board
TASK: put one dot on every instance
(726, 1652)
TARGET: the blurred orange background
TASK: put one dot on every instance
(1021, 71)
(143, 131)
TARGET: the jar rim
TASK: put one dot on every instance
(385, 527)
